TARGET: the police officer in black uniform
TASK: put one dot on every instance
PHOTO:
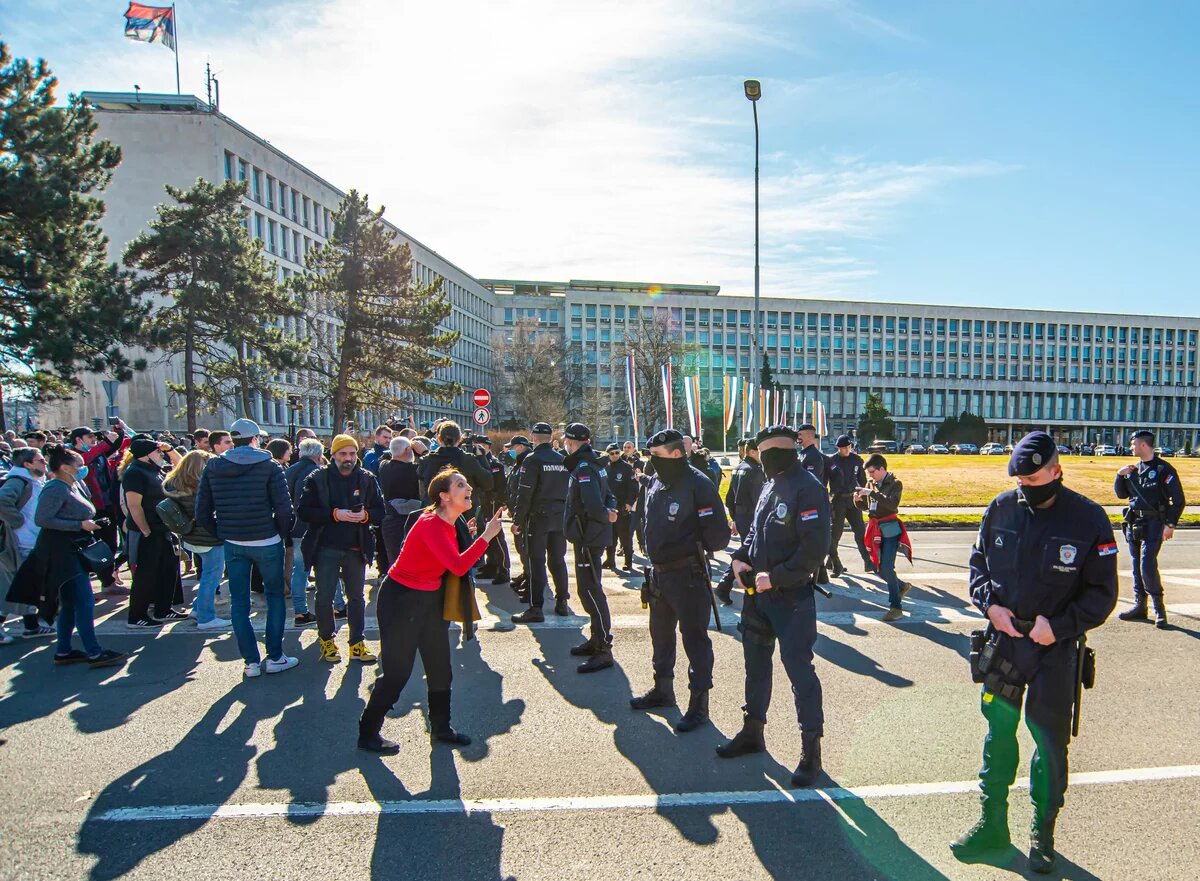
(1044, 572)
(785, 546)
(745, 484)
(814, 461)
(496, 563)
(845, 473)
(1155, 505)
(591, 511)
(622, 481)
(684, 522)
(518, 448)
(538, 515)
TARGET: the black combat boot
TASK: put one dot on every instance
(1160, 612)
(661, 695)
(724, 589)
(748, 740)
(837, 569)
(697, 711)
(601, 659)
(532, 615)
(560, 607)
(439, 721)
(809, 768)
(371, 740)
(1041, 844)
(989, 834)
(1137, 612)
(501, 577)
(585, 649)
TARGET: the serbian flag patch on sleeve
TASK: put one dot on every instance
(809, 515)
(704, 512)
(584, 478)
(1107, 550)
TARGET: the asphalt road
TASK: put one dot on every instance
(174, 767)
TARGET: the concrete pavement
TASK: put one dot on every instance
(176, 767)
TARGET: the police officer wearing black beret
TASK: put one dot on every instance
(590, 512)
(684, 522)
(1156, 503)
(538, 515)
(782, 552)
(622, 480)
(1044, 572)
(741, 497)
(845, 473)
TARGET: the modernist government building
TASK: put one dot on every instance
(1080, 375)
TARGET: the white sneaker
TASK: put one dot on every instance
(252, 670)
(215, 624)
(278, 665)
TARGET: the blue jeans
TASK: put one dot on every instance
(269, 560)
(299, 579)
(75, 612)
(887, 568)
(211, 570)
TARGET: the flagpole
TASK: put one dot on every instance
(175, 25)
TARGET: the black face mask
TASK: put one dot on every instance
(1035, 496)
(670, 470)
(778, 459)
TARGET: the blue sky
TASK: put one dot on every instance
(1032, 154)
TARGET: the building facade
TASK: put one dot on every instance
(1084, 377)
(170, 139)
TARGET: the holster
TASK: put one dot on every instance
(998, 675)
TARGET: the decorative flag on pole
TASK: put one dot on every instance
(747, 406)
(819, 419)
(783, 407)
(631, 390)
(798, 402)
(666, 386)
(691, 395)
(762, 405)
(154, 24)
(729, 400)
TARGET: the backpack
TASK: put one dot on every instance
(174, 517)
(26, 492)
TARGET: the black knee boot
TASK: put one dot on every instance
(439, 721)
(369, 737)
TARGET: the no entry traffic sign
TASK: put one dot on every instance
(482, 416)
(481, 397)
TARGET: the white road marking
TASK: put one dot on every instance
(650, 801)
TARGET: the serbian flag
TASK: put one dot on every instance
(729, 400)
(631, 391)
(747, 406)
(691, 395)
(149, 24)
(666, 387)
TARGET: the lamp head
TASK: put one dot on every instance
(753, 89)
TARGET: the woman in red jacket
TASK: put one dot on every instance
(410, 612)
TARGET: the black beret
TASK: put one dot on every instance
(807, 426)
(844, 441)
(776, 431)
(666, 436)
(576, 431)
(751, 443)
(519, 439)
(541, 428)
(613, 448)
(1031, 454)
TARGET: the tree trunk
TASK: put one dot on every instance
(189, 370)
(243, 385)
(346, 358)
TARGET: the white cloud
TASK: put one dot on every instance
(545, 139)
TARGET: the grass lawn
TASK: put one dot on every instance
(968, 481)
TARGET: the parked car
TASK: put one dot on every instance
(964, 450)
(939, 449)
(916, 449)
(992, 449)
(883, 446)
(1165, 452)
(1106, 450)
(1064, 450)
(1008, 448)
(1087, 450)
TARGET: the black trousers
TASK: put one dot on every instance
(791, 618)
(623, 536)
(410, 621)
(108, 535)
(591, 591)
(496, 559)
(842, 510)
(156, 576)
(547, 548)
(682, 599)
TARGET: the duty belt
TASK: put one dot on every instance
(674, 565)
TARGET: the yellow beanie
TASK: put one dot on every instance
(341, 442)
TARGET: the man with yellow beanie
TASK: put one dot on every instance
(339, 502)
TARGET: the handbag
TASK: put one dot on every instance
(96, 557)
(458, 602)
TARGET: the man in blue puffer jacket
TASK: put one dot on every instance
(243, 500)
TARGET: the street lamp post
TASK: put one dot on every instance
(753, 90)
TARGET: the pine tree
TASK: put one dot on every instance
(767, 379)
(64, 308)
(221, 299)
(386, 342)
(875, 422)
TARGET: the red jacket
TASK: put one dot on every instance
(430, 549)
(96, 459)
(873, 538)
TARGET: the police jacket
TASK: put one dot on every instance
(495, 492)
(585, 516)
(622, 480)
(1153, 490)
(814, 461)
(1060, 562)
(679, 517)
(511, 481)
(789, 536)
(845, 473)
(541, 488)
(742, 496)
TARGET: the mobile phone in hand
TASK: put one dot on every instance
(357, 509)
